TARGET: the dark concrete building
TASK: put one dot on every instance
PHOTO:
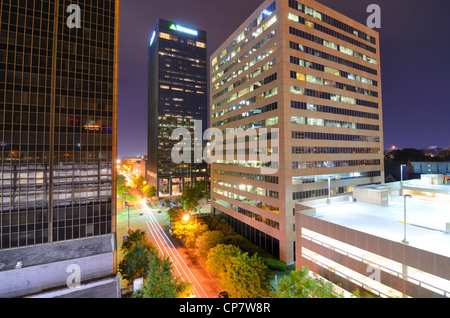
(177, 98)
(58, 120)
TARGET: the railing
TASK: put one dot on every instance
(381, 267)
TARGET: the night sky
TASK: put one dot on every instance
(415, 59)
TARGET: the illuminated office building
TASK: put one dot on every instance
(58, 115)
(177, 98)
(313, 74)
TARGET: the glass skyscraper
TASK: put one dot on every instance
(177, 98)
(58, 114)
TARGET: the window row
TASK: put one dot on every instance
(333, 150)
(326, 82)
(302, 195)
(332, 58)
(264, 206)
(247, 65)
(321, 28)
(332, 123)
(267, 94)
(248, 188)
(247, 213)
(247, 114)
(333, 97)
(333, 110)
(299, 165)
(246, 78)
(337, 137)
(333, 71)
(249, 176)
(331, 45)
(258, 45)
(331, 21)
(335, 177)
(245, 91)
(255, 23)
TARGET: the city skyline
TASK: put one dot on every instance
(408, 49)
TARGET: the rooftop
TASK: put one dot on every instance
(426, 220)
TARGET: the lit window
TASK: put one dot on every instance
(200, 44)
(293, 17)
(301, 77)
(309, 24)
(164, 35)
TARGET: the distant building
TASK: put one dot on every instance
(431, 167)
(177, 97)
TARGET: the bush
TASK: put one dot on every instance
(275, 265)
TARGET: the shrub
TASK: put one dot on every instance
(275, 265)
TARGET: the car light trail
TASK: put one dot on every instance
(165, 244)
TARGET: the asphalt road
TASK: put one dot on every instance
(185, 264)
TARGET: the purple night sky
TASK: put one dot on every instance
(415, 58)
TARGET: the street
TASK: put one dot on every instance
(185, 264)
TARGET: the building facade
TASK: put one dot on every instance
(58, 120)
(311, 77)
(177, 98)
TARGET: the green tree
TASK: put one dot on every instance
(161, 283)
(207, 241)
(136, 236)
(220, 255)
(175, 214)
(189, 231)
(121, 186)
(192, 194)
(241, 275)
(135, 263)
(303, 284)
(246, 277)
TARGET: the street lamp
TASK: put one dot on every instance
(407, 196)
(186, 217)
(401, 172)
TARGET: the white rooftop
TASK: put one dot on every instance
(426, 220)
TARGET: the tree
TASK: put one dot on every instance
(135, 263)
(192, 194)
(220, 255)
(189, 231)
(149, 191)
(175, 214)
(207, 241)
(246, 277)
(161, 283)
(408, 154)
(243, 276)
(121, 186)
(134, 237)
(301, 284)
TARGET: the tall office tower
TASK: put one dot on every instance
(314, 75)
(177, 99)
(58, 113)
